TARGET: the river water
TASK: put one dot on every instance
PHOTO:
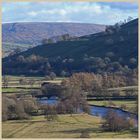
(96, 110)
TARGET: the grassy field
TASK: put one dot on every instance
(15, 87)
(16, 78)
(65, 127)
(118, 103)
(124, 88)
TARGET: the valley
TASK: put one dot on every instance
(65, 125)
(76, 84)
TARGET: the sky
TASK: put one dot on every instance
(79, 12)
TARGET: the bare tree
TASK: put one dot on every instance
(31, 82)
(50, 113)
(5, 81)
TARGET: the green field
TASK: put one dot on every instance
(15, 87)
(124, 88)
(130, 104)
(14, 80)
(65, 127)
(12, 90)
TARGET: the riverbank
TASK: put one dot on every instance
(66, 126)
(125, 105)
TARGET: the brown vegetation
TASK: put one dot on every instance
(17, 108)
(114, 122)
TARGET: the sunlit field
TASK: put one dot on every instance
(66, 126)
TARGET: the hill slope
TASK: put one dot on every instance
(97, 52)
(32, 33)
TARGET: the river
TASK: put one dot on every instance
(96, 110)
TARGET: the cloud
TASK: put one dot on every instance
(32, 13)
(89, 12)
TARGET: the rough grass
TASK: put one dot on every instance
(9, 47)
(65, 127)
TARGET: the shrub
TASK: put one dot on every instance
(30, 105)
(5, 80)
(86, 108)
(50, 113)
(61, 108)
(20, 111)
(131, 122)
(111, 103)
(4, 111)
(123, 106)
(13, 108)
(105, 103)
(114, 122)
(52, 75)
(47, 78)
(22, 81)
(85, 134)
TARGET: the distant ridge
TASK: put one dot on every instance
(24, 35)
(34, 32)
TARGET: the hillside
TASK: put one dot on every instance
(101, 52)
(9, 48)
(33, 33)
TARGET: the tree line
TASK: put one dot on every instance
(37, 65)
